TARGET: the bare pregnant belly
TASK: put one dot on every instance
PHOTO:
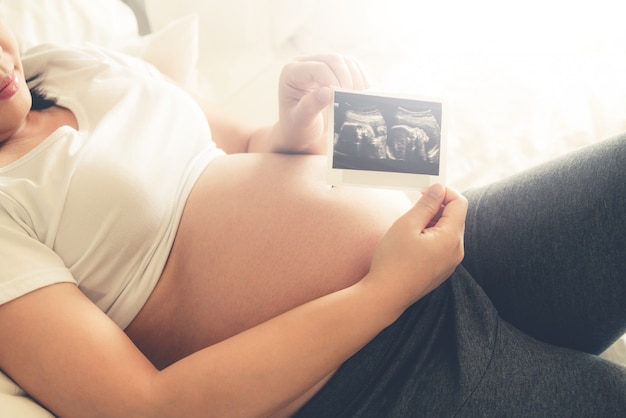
(260, 234)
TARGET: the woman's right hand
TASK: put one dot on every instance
(421, 249)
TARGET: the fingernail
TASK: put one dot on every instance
(436, 191)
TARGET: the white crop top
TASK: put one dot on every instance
(100, 206)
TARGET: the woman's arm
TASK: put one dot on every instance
(67, 354)
(304, 91)
(70, 357)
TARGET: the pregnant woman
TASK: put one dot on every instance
(159, 258)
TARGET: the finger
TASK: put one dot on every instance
(359, 78)
(427, 207)
(347, 70)
(341, 70)
(454, 211)
(311, 104)
(452, 194)
(308, 75)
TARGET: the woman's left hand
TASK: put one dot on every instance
(305, 90)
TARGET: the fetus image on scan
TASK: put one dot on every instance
(415, 135)
(363, 133)
(383, 134)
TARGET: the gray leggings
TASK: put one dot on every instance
(515, 330)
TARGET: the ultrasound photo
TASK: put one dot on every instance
(383, 133)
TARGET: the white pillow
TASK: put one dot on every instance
(173, 49)
(110, 23)
(104, 22)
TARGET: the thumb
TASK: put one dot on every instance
(427, 207)
(311, 104)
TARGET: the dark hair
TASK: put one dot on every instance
(40, 100)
